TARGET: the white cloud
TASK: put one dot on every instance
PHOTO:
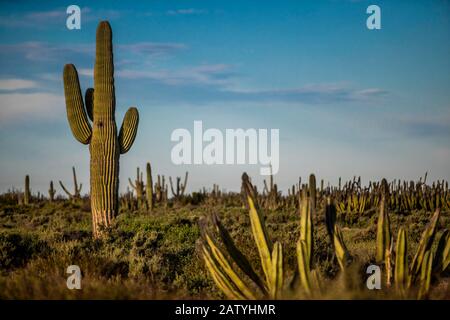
(86, 72)
(190, 11)
(29, 106)
(208, 74)
(17, 84)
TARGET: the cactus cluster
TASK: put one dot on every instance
(148, 193)
(408, 279)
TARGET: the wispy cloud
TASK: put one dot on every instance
(152, 48)
(40, 19)
(17, 84)
(190, 11)
(212, 74)
(424, 126)
(87, 72)
(30, 106)
(314, 94)
(58, 16)
(42, 51)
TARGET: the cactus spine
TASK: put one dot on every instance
(104, 144)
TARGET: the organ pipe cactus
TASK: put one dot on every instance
(105, 144)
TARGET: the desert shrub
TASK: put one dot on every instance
(17, 248)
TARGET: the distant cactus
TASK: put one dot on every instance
(27, 192)
(180, 187)
(77, 188)
(312, 190)
(149, 188)
(105, 144)
(139, 187)
(51, 192)
(383, 233)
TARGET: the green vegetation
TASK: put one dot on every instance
(163, 253)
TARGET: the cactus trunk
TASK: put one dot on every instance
(149, 189)
(27, 193)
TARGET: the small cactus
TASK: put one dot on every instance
(27, 192)
(312, 191)
(138, 186)
(180, 187)
(77, 188)
(51, 192)
(149, 188)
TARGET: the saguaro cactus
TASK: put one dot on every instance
(51, 192)
(312, 190)
(139, 187)
(27, 193)
(105, 145)
(180, 188)
(149, 189)
(77, 187)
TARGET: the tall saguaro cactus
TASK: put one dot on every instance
(105, 145)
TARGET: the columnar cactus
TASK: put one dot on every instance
(149, 189)
(312, 190)
(51, 192)
(105, 144)
(180, 188)
(27, 193)
(77, 188)
(139, 187)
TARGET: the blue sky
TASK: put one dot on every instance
(347, 100)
